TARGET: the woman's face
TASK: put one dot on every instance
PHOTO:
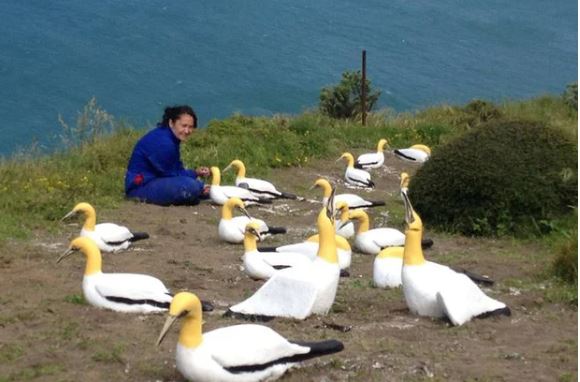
(182, 127)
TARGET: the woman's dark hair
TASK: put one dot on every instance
(172, 113)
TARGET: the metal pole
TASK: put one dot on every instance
(363, 87)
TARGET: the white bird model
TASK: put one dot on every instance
(109, 237)
(372, 241)
(122, 292)
(300, 291)
(248, 353)
(437, 291)
(353, 201)
(372, 160)
(415, 153)
(259, 187)
(220, 194)
(354, 176)
(261, 264)
(231, 228)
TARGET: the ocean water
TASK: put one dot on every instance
(268, 56)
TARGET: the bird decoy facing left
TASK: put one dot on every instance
(372, 160)
(355, 176)
(220, 194)
(261, 265)
(248, 353)
(122, 292)
(231, 228)
(344, 227)
(300, 291)
(353, 201)
(436, 291)
(259, 187)
(415, 154)
(109, 237)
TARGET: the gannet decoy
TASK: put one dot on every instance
(353, 201)
(220, 194)
(355, 176)
(300, 291)
(372, 241)
(261, 265)
(248, 353)
(415, 153)
(109, 237)
(344, 227)
(122, 292)
(309, 247)
(437, 291)
(231, 228)
(259, 187)
(388, 265)
(372, 160)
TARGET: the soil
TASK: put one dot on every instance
(47, 332)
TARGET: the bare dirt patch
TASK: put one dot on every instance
(48, 334)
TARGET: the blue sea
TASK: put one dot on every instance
(261, 57)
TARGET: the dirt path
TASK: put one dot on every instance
(47, 334)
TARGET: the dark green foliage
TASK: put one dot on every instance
(502, 177)
(344, 100)
(566, 260)
(479, 111)
(571, 95)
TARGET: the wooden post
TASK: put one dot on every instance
(363, 94)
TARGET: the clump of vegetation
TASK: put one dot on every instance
(479, 111)
(570, 96)
(345, 99)
(504, 177)
(565, 265)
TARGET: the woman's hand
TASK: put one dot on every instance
(202, 171)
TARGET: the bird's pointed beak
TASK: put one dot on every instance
(72, 213)
(168, 323)
(227, 167)
(338, 159)
(67, 253)
(245, 212)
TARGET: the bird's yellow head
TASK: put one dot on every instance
(362, 217)
(413, 254)
(349, 159)
(87, 210)
(92, 253)
(251, 234)
(343, 208)
(324, 185)
(230, 204)
(381, 145)
(239, 165)
(188, 305)
(215, 176)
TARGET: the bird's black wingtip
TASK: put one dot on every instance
(247, 317)
(139, 236)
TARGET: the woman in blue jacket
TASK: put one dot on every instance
(155, 173)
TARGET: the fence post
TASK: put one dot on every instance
(363, 87)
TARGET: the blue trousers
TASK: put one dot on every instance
(178, 190)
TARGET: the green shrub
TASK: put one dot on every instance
(500, 178)
(571, 95)
(344, 100)
(565, 264)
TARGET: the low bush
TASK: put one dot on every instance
(503, 177)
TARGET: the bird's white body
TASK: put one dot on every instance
(374, 240)
(371, 160)
(387, 272)
(232, 230)
(258, 187)
(237, 346)
(126, 292)
(262, 265)
(109, 237)
(310, 249)
(295, 292)
(357, 177)
(220, 194)
(437, 291)
(412, 155)
(344, 229)
(353, 201)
